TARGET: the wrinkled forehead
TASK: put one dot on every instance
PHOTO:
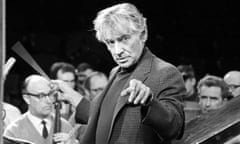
(114, 31)
(213, 91)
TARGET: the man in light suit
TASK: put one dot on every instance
(37, 124)
(142, 103)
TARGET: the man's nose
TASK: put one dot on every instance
(231, 90)
(49, 99)
(208, 102)
(118, 48)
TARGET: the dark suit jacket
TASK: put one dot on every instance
(160, 121)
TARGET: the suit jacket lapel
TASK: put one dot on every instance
(94, 111)
(95, 104)
(33, 134)
(141, 74)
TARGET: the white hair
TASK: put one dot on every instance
(119, 19)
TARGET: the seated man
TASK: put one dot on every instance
(95, 84)
(190, 82)
(191, 106)
(232, 78)
(212, 93)
(83, 70)
(66, 72)
(36, 125)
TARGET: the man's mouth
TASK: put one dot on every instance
(122, 60)
(47, 108)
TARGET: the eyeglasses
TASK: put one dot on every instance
(233, 87)
(42, 95)
(69, 81)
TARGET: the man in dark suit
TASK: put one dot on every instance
(142, 103)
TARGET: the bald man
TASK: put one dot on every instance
(36, 125)
(232, 78)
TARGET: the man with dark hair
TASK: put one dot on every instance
(190, 81)
(95, 84)
(212, 93)
(83, 71)
(82, 67)
(65, 72)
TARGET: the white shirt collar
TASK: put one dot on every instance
(37, 122)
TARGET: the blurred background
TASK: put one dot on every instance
(202, 33)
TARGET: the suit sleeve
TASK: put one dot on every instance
(164, 113)
(82, 111)
(10, 131)
(66, 126)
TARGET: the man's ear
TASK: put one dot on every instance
(26, 98)
(144, 35)
(194, 81)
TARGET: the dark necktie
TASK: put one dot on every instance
(44, 130)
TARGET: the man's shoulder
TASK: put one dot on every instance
(12, 113)
(113, 71)
(160, 64)
(10, 107)
(16, 127)
(18, 123)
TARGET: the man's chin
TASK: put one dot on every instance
(205, 111)
(125, 65)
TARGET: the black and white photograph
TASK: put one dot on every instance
(119, 72)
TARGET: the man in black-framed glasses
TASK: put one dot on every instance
(36, 125)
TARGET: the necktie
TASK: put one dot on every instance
(44, 130)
